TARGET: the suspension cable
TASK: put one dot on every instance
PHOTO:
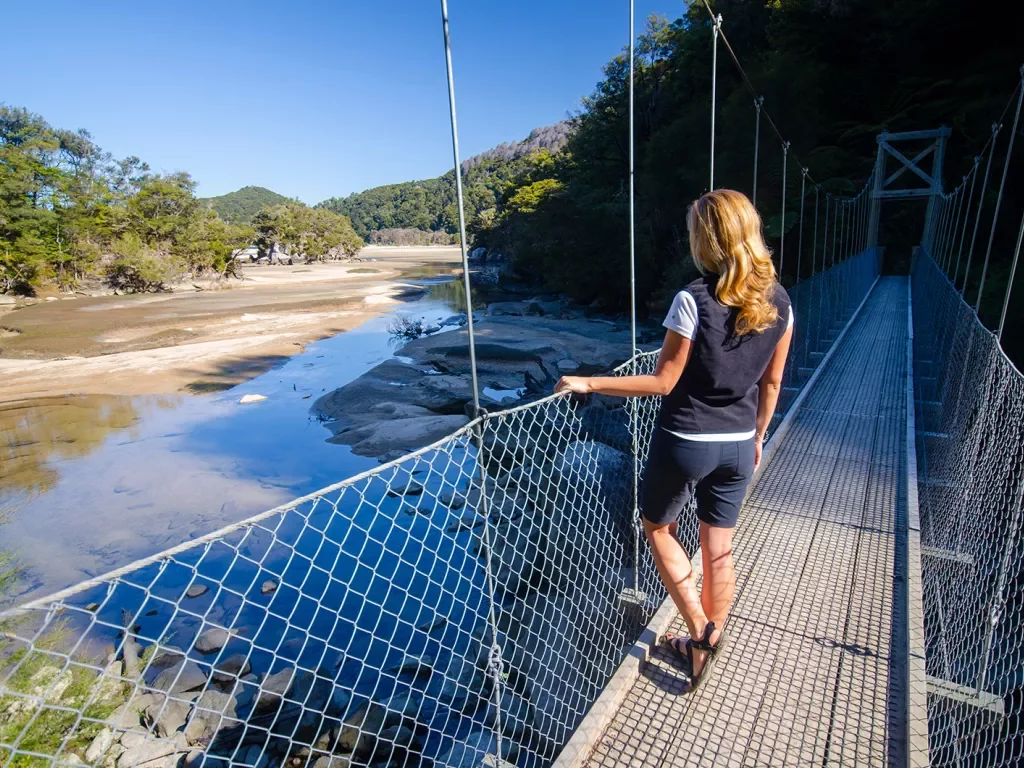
(634, 351)
(782, 223)
(717, 30)
(758, 103)
(494, 655)
(814, 244)
(716, 21)
(999, 195)
(996, 127)
(800, 239)
(963, 232)
(1009, 283)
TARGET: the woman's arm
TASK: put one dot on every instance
(768, 391)
(675, 353)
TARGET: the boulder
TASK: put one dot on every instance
(359, 732)
(182, 677)
(434, 624)
(514, 549)
(99, 746)
(166, 715)
(410, 488)
(209, 715)
(418, 666)
(231, 668)
(166, 657)
(274, 687)
(471, 751)
(516, 715)
(598, 478)
(150, 754)
(246, 399)
(196, 590)
(212, 640)
(452, 501)
(268, 586)
(567, 365)
(455, 320)
(332, 761)
(465, 523)
(513, 308)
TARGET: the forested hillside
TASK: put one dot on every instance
(240, 206)
(71, 213)
(429, 205)
(833, 75)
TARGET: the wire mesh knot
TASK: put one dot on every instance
(495, 663)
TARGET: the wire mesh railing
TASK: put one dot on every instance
(355, 626)
(970, 408)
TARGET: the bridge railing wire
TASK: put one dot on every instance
(352, 627)
(969, 412)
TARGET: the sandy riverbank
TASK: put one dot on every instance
(202, 341)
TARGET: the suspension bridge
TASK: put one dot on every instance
(489, 600)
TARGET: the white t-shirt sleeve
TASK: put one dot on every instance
(682, 316)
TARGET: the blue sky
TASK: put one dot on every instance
(310, 98)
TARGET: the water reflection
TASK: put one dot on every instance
(107, 480)
(39, 433)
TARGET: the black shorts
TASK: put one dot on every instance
(716, 474)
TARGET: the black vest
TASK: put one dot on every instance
(717, 391)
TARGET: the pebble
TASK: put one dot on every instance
(268, 587)
(197, 590)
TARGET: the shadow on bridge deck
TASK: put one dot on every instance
(806, 678)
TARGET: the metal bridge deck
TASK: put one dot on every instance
(806, 676)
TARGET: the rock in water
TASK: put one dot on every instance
(246, 399)
(197, 590)
(420, 666)
(433, 624)
(208, 717)
(234, 666)
(183, 676)
(274, 687)
(568, 365)
(167, 715)
(412, 488)
(268, 586)
(212, 640)
(465, 523)
(452, 500)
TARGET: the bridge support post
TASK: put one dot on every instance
(928, 238)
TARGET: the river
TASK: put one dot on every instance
(91, 483)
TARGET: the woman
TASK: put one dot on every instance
(719, 373)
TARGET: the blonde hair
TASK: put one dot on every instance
(726, 239)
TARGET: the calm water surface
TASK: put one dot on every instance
(90, 483)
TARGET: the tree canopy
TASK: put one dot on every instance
(833, 75)
(71, 212)
(430, 205)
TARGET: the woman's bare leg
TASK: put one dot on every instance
(674, 567)
(719, 583)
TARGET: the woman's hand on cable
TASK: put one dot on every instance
(579, 385)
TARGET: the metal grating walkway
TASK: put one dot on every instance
(806, 677)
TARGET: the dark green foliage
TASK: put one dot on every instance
(430, 205)
(240, 206)
(69, 211)
(315, 233)
(833, 75)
